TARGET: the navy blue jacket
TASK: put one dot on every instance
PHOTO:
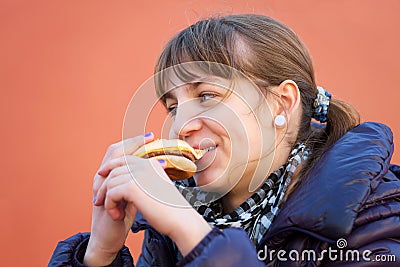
(349, 202)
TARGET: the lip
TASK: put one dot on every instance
(204, 145)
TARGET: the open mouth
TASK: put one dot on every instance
(207, 160)
(209, 148)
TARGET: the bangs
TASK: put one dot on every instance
(204, 43)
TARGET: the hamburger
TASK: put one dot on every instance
(178, 154)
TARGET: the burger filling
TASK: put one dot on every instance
(185, 154)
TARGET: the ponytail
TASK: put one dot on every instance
(341, 118)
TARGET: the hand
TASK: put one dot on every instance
(142, 184)
(108, 233)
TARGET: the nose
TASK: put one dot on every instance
(185, 123)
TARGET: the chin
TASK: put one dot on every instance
(206, 180)
(202, 179)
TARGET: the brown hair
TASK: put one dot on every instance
(269, 53)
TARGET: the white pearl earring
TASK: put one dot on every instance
(279, 121)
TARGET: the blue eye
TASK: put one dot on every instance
(206, 96)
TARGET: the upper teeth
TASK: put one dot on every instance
(210, 148)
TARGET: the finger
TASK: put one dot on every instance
(130, 213)
(97, 183)
(113, 164)
(132, 144)
(127, 146)
(117, 151)
(116, 198)
(117, 191)
(162, 162)
(125, 170)
(118, 171)
(118, 213)
(100, 177)
(108, 185)
(106, 168)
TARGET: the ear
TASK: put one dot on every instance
(290, 98)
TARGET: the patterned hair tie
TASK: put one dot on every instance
(321, 105)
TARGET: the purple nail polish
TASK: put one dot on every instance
(94, 199)
(161, 161)
(148, 134)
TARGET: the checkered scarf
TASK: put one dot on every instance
(256, 214)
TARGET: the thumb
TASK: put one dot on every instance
(130, 215)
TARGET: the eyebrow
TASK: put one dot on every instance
(192, 86)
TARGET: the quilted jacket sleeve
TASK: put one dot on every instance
(230, 247)
(71, 251)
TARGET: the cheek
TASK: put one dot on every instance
(253, 133)
(266, 131)
(243, 133)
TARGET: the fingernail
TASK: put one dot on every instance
(161, 161)
(148, 134)
(94, 199)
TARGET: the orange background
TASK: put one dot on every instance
(69, 68)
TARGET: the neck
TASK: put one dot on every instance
(233, 199)
(241, 192)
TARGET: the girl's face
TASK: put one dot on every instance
(233, 122)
